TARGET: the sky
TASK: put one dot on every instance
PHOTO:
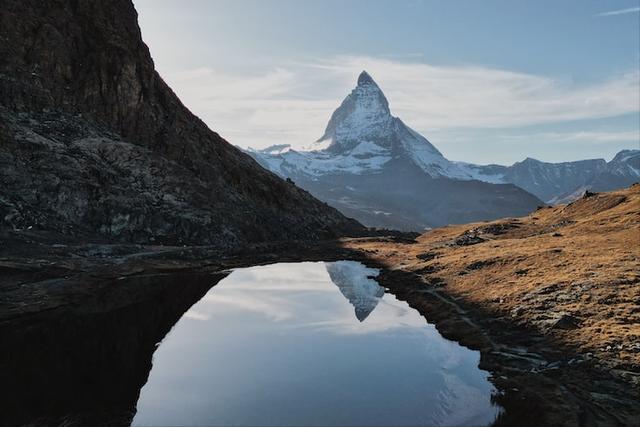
(491, 81)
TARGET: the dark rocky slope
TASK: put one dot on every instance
(94, 143)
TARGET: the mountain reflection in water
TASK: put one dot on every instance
(280, 345)
(355, 282)
(270, 345)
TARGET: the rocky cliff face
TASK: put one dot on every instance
(93, 141)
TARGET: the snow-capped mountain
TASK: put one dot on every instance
(356, 284)
(372, 166)
(362, 137)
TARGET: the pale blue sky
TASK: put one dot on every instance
(485, 81)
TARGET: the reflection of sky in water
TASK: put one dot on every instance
(281, 345)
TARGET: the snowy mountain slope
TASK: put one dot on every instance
(563, 182)
(364, 115)
(361, 137)
(551, 182)
(372, 166)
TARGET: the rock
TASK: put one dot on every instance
(498, 228)
(429, 269)
(94, 143)
(565, 321)
(477, 265)
(518, 311)
(469, 237)
(426, 256)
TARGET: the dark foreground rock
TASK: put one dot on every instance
(94, 143)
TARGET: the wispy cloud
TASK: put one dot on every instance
(292, 103)
(466, 136)
(620, 11)
(595, 136)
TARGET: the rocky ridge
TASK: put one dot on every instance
(93, 143)
(557, 183)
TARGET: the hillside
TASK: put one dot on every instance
(94, 144)
(551, 300)
(575, 259)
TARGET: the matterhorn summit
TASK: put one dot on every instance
(362, 136)
(372, 166)
(364, 115)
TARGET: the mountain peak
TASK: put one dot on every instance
(364, 114)
(625, 155)
(365, 79)
(363, 127)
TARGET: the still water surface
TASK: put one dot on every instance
(309, 344)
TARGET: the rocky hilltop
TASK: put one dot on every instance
(94, 143)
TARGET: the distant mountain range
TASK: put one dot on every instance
(564, 182)
(372, 166)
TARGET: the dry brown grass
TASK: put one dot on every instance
(581, 259)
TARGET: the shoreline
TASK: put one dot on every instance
(532, 374)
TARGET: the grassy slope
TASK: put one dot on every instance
(581, 259)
